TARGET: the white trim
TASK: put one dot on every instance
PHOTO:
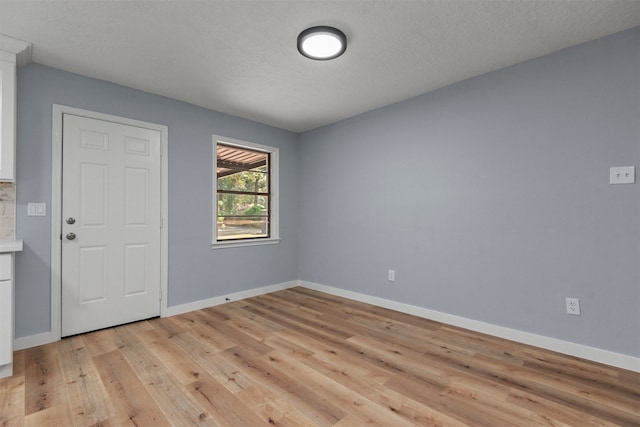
(274, 184)
(248, 242)
(210, 302)
(590, 353)
(56, 194)
(6, 370)
(20, 49)
(49, 337)
(164, 222)
(34, 340)
(8, 113)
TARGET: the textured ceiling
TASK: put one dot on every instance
(240, 57)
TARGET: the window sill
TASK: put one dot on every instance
(241, 243)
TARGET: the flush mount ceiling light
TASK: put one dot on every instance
(322, 43)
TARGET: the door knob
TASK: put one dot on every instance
(71, 220)
(71, 236)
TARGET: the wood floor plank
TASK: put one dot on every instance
(299, 357)
(544, 407)
(520, 378)
(446, 402)
(195, 323)
(223, 406)
(287, 347)
(159, 380)
(182, 366)
(548, 387)
(87, 399)
(52, 416)
(100, 342)
(411, 410)
(593, 374)
(306, 400)
(225, 372)
(12, 402)
(43, 379)
(356, 308)
(251, 325)
(275, 409)
(291, 325)
(317, 305)
(168, 326)
(297, 317)
(358, 376)
(367, 412)
(18, 362)
(292, 305)
(219, 334)
(132, 402)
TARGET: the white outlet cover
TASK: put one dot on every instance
(622, 175)
(573, 306)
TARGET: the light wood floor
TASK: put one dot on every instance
(303, 358)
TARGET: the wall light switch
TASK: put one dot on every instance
(36, 209)
(622, 175)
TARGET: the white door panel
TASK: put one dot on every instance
(111, 189)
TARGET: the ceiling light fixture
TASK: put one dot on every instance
(322, 43)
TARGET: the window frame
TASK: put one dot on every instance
(274, 187)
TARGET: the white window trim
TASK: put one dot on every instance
(274, 171)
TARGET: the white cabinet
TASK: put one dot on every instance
(13, 53)
(6, 309)
(7, 117)
(8, 249)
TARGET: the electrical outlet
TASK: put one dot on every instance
(392, 276)
(573, 306)
(622, 175)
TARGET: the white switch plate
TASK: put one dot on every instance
(36, 209)
(622, 175)
(392, 275)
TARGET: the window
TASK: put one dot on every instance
(246, 187)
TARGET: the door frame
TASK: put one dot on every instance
(56, 206)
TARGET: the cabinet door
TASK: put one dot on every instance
(7, 118)
(6, 322)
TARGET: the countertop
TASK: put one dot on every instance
(10, 245)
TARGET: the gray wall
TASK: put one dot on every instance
(490, 198)
(195, 271)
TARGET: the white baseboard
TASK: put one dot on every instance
(590, 353)
(48, 337)
(210, 302)
(33, 340)
(6, 370)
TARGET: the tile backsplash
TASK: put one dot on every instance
(7, 210)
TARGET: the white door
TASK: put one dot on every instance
(110, 224)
